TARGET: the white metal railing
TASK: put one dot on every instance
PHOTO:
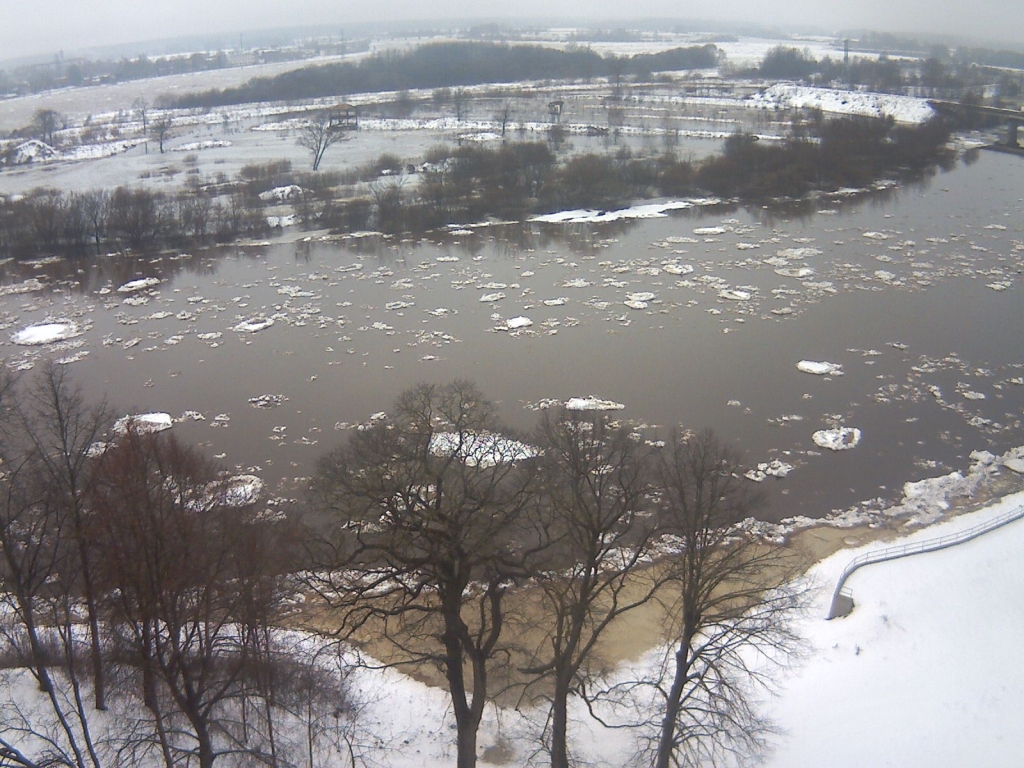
(905, 550)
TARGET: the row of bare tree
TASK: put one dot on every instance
(506, 561)
(144, 602)
(77, 223)
(149, 604)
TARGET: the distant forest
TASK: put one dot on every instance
(445, 65)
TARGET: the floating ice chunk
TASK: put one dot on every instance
(837, 439)
(734, 294)
(47, 333)
(592, 403)
(142, 284)
(875, 235)
(635, 304)
(516, 323)
(253, 325)
(237, 491)
(143, 423)
(480, 450)
(820, 368)
(709, 231)
(677, 269)
(212, 336)
(560, 301)
(798, 272)
(641, 296)
(492, 297)
(26, 286)
(267, 401)
(773, 468)
(576, 282)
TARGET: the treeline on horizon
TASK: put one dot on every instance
(468, 184)
(951, 75)
(445, 65)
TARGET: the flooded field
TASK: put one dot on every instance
(871, 343)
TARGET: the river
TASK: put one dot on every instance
(913, 294)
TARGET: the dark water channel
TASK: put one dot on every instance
(916, 295)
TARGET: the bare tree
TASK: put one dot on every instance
(37, 568)
(63, 428)
(95, 207)
(460, 98)
(161, 131)
(46, 122)
(431, 499)
(732, 595)
(142, 109)
(594, 486)
(503, 115)
(317, 135)
(183, 590)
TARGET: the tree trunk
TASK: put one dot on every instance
(560, 725)
(666, 742)
(466, 728)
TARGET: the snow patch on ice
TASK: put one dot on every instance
(837, 438)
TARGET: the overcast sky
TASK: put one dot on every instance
(47, 26)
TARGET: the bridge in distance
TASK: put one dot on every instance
(1013, 118)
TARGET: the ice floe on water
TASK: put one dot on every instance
(820, 368)
(47, 333)
(648, 211)
(267, 401)
(31, 285)
(237, 491)
(592, 403)
(797, 272)
(733, 294)
(480, 450)
(837, 438)
(773, 468)
(639, 300)
(253, 325)
(488, 298)
(142, 284)
(143, 423)
(518, 323)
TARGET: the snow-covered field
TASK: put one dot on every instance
(926, 670)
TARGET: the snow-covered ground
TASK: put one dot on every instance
(926, 670)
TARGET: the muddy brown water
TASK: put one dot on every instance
(915, 294)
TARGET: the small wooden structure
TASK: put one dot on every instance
(555, 110)
(342, 117)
